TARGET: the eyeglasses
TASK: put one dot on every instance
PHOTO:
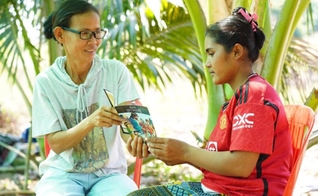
(86, 35)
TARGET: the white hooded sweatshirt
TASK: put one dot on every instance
(59, 104)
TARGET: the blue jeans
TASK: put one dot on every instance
(55, 182)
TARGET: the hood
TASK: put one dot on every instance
(58, 68)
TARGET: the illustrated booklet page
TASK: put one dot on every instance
(137, 118)
(137, 121)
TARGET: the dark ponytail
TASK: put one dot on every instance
(240, 28)
(48, 27)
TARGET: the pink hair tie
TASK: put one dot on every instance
(250, 19)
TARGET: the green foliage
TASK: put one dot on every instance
(148, 40)
(163, 173)
(297, 91)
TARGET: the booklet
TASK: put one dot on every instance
(137, 118)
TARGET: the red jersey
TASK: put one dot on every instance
(253, 120)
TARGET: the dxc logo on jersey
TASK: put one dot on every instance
(243, 121)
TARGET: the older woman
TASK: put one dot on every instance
(72, 112)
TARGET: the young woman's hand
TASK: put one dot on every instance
(137, 147)
(170, 151)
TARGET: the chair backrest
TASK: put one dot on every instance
(137, 171)
(301, 120)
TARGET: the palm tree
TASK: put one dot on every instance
(146, 42)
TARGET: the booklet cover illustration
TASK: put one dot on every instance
(137, 120)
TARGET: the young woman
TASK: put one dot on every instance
(71, 110)
(249, 151)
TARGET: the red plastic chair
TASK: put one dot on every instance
(301, 119)
(137, 171)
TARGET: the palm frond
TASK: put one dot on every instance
(153, 47)
(300, 71)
